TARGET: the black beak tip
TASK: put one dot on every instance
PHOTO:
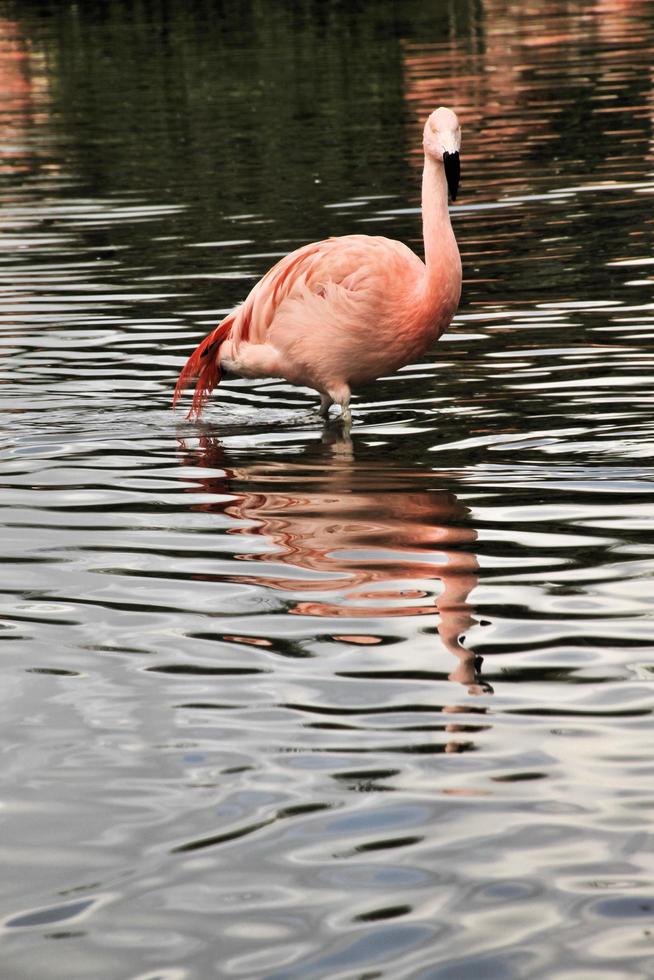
(452, 172)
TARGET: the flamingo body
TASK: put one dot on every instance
(339, 313)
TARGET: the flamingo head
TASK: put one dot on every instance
(442, 142)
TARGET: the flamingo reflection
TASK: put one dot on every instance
(373, 537)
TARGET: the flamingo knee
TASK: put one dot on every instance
(341, 396)
(326, 403)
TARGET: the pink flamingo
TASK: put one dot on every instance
(340, 313)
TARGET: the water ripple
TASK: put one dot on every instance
(277, 703)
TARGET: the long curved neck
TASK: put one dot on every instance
(440, 243)
(443, 279)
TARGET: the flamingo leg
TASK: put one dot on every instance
(342, 398)
(326, 403)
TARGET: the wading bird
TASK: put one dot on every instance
(337, 314)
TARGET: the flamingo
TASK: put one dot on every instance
(339, 313)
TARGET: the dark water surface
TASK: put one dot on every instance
(274, 705)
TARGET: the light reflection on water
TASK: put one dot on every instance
(277, 704)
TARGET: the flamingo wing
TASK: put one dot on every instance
(352, 262)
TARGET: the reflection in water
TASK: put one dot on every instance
(259, 793)
(370, 552)
(23, 94)
(597, 110)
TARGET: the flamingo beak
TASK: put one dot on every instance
(452, 172)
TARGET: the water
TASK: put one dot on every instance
(276, 705)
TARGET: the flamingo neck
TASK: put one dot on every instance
(441, 252)
(440, 290)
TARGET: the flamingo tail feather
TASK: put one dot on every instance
(203, 364)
